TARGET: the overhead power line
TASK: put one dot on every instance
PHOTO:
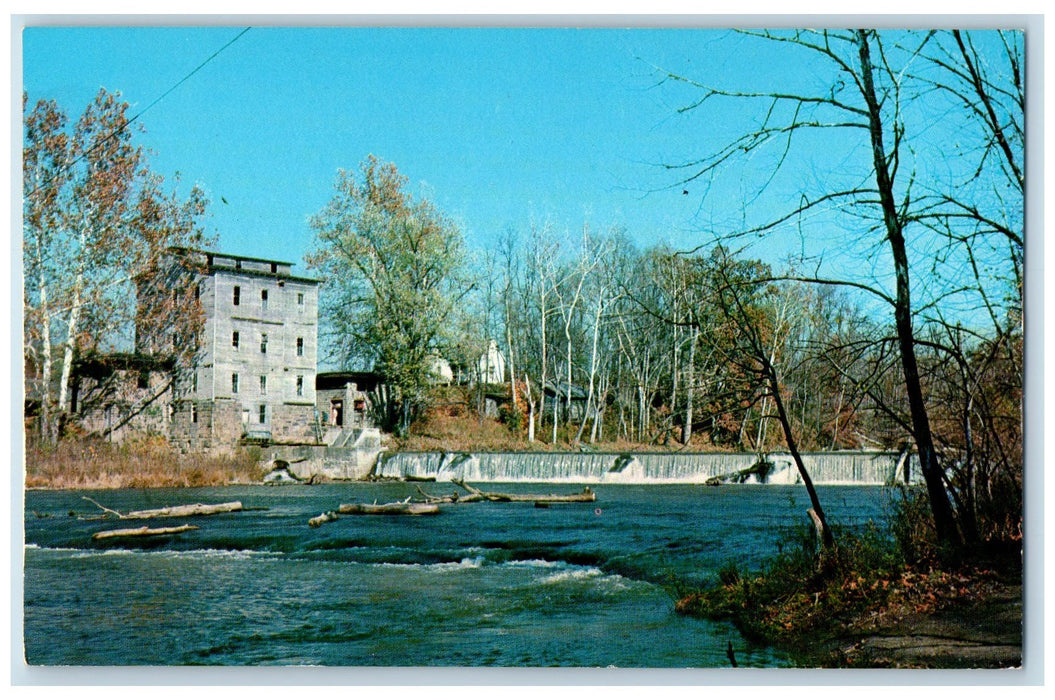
(188, 76)
(115, 133)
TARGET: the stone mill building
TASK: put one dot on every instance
(252, 372)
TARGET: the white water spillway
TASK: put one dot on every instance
(872, 468)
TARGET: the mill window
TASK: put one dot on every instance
(300, 347)
(234, 339)
(237, 295)
(300, 385)
(263, 343)
(234, 383)
(263, 299)
(263, 385)
(263, 413)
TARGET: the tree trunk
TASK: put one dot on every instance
(838, 413)
(827, 540)
(944, 520)
(593, 370)
(556, 409)
(567, 402)
(68, 355)
(596, 430)
(46, 432)
(531, 408)
(674, 368)
(398, 508)
(173, 511)
(690, 379)
(512, 363)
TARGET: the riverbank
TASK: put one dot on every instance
(878, 614)
(981, 631)
(145, 463)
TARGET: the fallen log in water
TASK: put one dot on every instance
(452, 498)
(398, 508)
(174, 511)
(587, 495)
(142, 532)
(187, 510)
(322, 519)
(759, 469)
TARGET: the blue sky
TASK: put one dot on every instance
(500, 127)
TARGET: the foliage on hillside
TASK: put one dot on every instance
(452, 422)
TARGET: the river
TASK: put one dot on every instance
(482, 584)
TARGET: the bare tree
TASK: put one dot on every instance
(878, 90)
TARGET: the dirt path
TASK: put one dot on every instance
(982, 634)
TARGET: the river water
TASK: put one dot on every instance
(483, 584)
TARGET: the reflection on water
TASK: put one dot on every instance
(485, 584)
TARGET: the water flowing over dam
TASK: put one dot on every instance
(875, 468)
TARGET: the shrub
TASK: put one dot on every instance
(512, 416)
(912, 526)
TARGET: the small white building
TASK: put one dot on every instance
(492, 365)
(441, 370)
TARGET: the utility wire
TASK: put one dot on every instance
(127, 124)
(186, 77)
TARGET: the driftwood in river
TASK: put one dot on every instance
(760, 469)
(587, 495)
(451, 498)
(174, 511)
(398, 508)
(142, 532)
(326, 517)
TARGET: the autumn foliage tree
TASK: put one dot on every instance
(94, 219)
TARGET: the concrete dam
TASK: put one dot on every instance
(866, 468)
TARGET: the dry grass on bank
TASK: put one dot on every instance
(83, 464)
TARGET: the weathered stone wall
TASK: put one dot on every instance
(226, 416)
(306, 461)
(255, 371)
(277, 343)
(256, 367)
(186, 433)
(125, 404)
(293, 423)
(205, 425)
(355, 411)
